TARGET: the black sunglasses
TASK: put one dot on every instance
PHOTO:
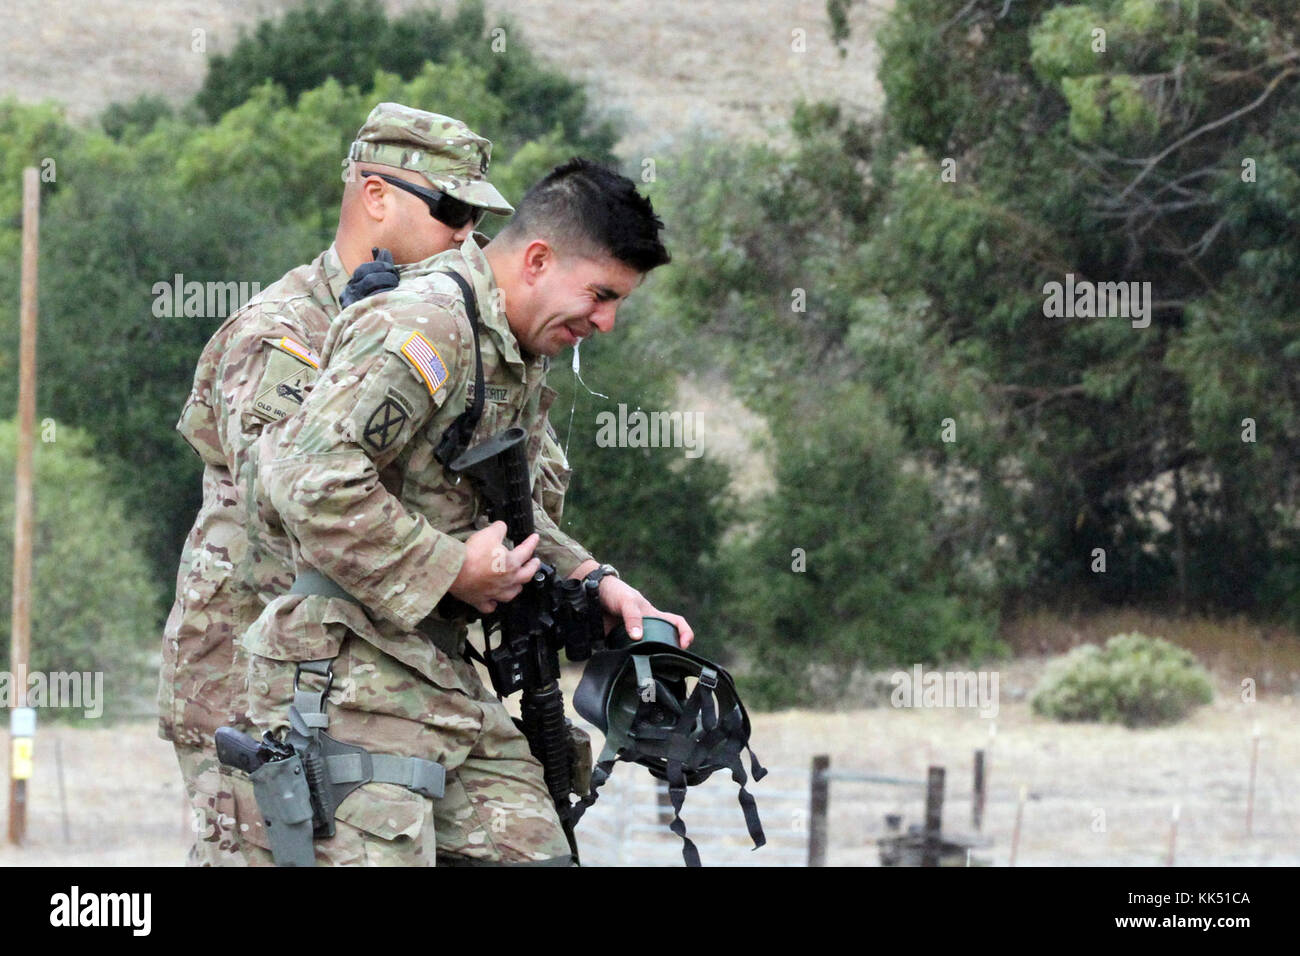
(446, 209)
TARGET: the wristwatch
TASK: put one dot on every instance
(593, 579)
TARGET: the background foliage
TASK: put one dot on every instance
(1133, 680)
(942, 451)
(94, 605)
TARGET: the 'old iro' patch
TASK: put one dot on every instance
(290, 371)
(426, 361)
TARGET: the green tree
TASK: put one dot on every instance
(130, 121)
(285, 156)
(781, 278)
(655, 513)
(94, 605)
(847, 565)
(113, 361)
(30, 135)
(1130, 141)
(351, 40)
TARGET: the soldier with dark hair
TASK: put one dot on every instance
(367, 644)
(415, 185)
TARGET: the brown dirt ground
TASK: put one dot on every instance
(125, 806)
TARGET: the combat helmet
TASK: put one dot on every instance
(638, 694)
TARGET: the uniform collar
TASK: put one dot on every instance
(477, 269)
(448, 258)
(336, 277)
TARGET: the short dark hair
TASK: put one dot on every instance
(589, 209)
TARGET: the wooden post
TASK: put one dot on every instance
(820, 800)
(20, 636)
(933, 817)
(1020, 816)
(1250, 789)
(63, 794)
(977, 805)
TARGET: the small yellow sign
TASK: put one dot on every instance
(22, 759)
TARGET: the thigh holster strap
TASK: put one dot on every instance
(299, 796)
(310, 581)
(351, 770)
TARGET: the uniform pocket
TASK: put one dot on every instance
(296, 627)
(237, 800)
(382, 824)
(386, 811)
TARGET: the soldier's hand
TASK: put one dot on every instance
(629, 605)
(371, 278)
(493, 574)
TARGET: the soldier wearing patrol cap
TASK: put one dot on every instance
(416, 184)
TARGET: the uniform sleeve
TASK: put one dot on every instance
(265, 376)
(552, 480)
(555, 547)
(391, 368)
(198, 423)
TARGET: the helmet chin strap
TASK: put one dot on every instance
(636, 694)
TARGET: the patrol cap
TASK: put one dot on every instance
(446, 151)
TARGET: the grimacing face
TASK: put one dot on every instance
(573, 298)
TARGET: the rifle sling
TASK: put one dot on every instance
(455, 440)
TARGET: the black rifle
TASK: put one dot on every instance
(547, 615)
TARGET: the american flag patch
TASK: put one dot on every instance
(426, 360)
(298, 350)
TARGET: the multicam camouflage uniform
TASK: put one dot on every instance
(254, 371)
(353, 478)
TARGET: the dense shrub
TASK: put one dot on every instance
(1134, 680)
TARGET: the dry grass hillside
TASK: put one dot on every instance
(662, 67)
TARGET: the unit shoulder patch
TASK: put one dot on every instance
(284, 385)
(385, 423)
